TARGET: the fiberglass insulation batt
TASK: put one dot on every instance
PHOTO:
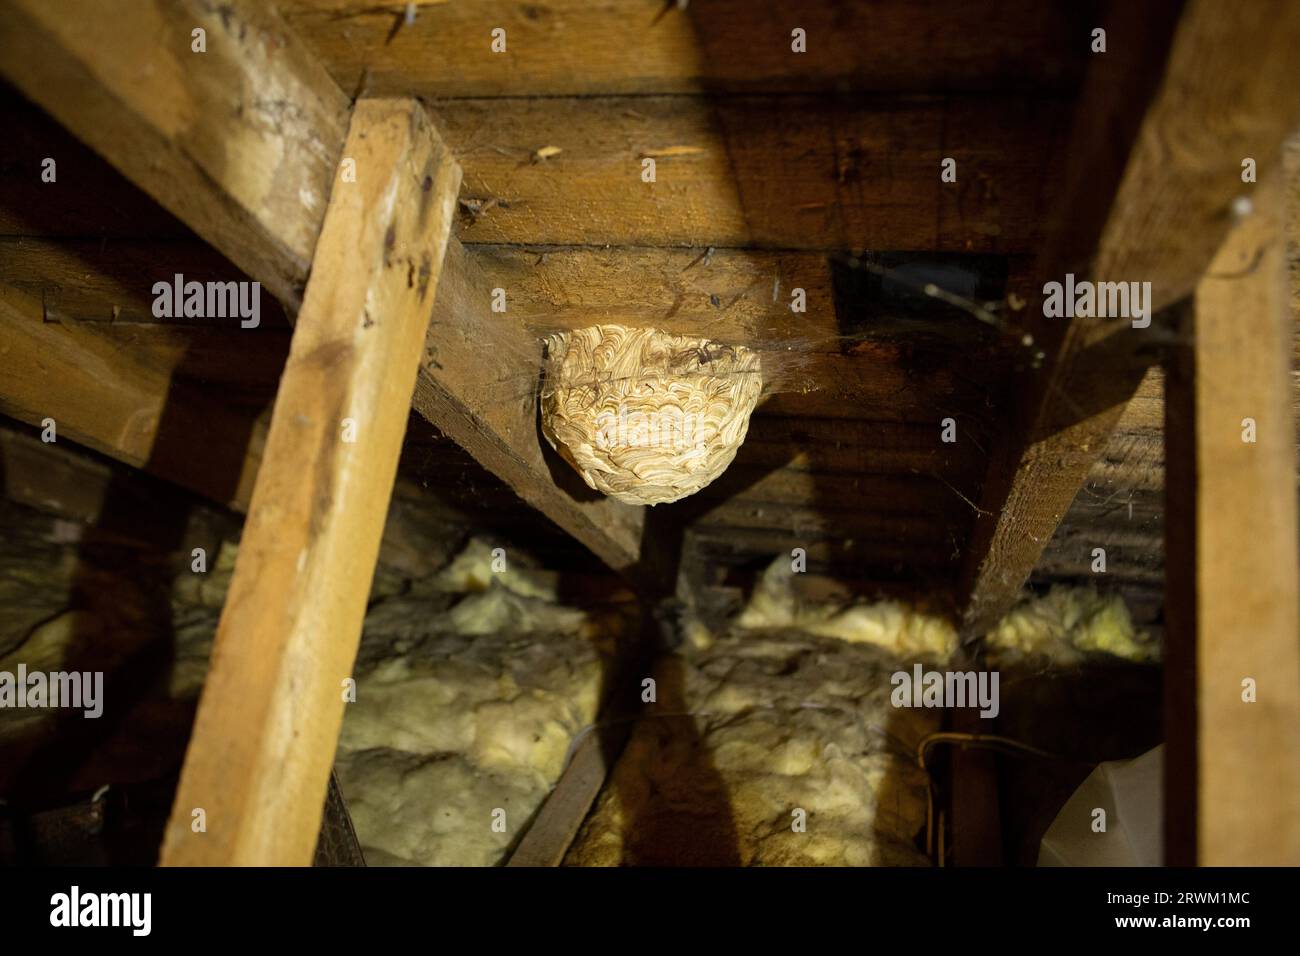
(464, 717)
(787, 710)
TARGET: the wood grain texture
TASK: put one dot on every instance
(737, 296)
(111, 281)
(647, 46)
(775, 172)
(1121, 507)
(1235, 592)
(131, 404)
(552, 831)
(268, 721)
(1169, 189)
(240, 142)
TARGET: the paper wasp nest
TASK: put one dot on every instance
(644, 416)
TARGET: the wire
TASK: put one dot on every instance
(989, 741)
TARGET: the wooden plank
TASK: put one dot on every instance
(478, 385)
(563, 47)
(889, 382)
(132, 405)
(102, 280)
(841, 447)
(1156, 214)
(909, 495)
(113, 504)
(1233, 585)
(787, 172)
(254, 114)
(880, 533)
(739, 296)
(268, 721)
(557, 823)
(838, 553)
(50, 478)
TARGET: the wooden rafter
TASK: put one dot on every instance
(1232, 762)
(1014, 44)
(1169, 168)
(126, 402)
(269, 718)
(122, 75)
(812, 173)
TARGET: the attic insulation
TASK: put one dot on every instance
(785, 715)
(644, 416)
(476, 682)
(468, 711)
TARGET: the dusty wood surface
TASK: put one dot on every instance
(254, 114)
(1120, 508)
(268, 720)
(730, 295)
(1168, 210)
(1234, 588)
(111, 280)
(790, 173)
(129, 404)
(576, 47)
(557, 823)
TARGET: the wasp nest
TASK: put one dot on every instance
(644, 416)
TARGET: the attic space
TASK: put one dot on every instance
(634, 434)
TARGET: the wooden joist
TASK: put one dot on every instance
(131, 404)
(731, 295)
(564, 47)
(785, 173)
(111, 280)
(1233, 590)
(242, 143)
(268, 720)
(1227, 91)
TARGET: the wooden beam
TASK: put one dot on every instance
(242, 144)
(111, 280)
(813, 173)
(268, 721)
(731, 295)
(1233, 590)
(1136, 209)
(573, 47)
(556, 825)
(130, 404)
